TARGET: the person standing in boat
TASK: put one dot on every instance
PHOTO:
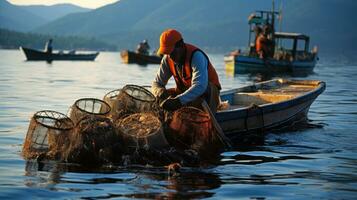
(264, 43)
(261, 45)
(143, 47)
(253, 50)
(195, 77)
(48, 47)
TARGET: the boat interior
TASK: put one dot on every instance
(266, 94)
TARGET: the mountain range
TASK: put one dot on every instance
(27, 18)
(211, 24)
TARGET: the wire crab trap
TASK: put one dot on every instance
(47, 134)
(111, 98)
(142, 131)
(133, 99)
(88, 107)
(93, 141)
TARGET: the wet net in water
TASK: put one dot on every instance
(93, 141)
(191, 128)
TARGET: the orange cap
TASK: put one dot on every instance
(168, 40)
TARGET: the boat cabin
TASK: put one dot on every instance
(291, 46)
(285, 46)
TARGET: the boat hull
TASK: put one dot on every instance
(129, 57)
(35, 55)
(237, 123)
(248, 64)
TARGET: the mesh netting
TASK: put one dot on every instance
(88, 106)
(47, 134)
(142, 130)
(94, 141)
(133, 99)
(191, 128)
(111, 98)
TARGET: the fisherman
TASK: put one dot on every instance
(195, 77)
(143, 47)
(48, 46)
(261, 44)
(253, 50)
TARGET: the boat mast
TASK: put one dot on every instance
(273, 26)
(280, 20)
(273, 17)
(280, 15)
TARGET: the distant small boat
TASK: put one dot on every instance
(141, 59)
(33, 54)
(266, 105)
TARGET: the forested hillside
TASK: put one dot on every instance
(13, 40)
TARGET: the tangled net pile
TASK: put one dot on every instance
(126, 127)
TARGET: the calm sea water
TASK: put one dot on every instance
(314, 162)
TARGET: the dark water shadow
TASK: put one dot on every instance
(189, 183)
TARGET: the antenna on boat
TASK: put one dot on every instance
(280, 19)
(273, 15)
(280, 15)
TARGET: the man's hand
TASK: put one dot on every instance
(171, 104)
(162, 95)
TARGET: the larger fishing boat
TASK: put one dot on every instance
(290, 52)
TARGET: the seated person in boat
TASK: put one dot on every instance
(48, 47)
(195, 77)
(143, 47)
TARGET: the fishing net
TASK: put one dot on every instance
(134, 99)
(88, 107)
(142, 130)
(191, 128)
(94, 141)
(47, 134)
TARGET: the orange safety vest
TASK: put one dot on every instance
(258, 43)
(184, 82)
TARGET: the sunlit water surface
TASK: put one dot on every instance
(315, 162)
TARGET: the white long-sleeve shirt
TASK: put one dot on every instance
(199, 64)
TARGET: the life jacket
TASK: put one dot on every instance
(259, 43)
(184, 81)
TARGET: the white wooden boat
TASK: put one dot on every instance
(267, 105)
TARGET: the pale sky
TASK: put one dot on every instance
(82, 3)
